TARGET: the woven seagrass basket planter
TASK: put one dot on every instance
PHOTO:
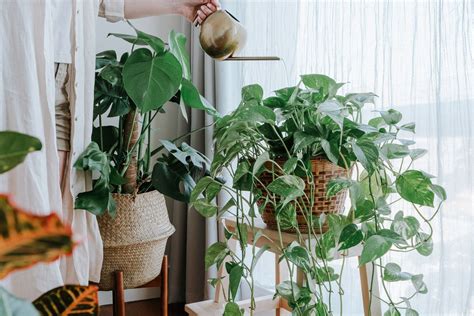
(135, 239)
(323, 171)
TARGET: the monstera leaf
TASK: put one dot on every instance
(69, 300)
(28, 239)
(14, 147)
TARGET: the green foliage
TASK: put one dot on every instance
(266, 146)
(135, 88)
(215, 254)
(14, 147)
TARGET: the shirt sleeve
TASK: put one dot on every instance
(112, 10)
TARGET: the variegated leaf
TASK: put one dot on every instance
(27, 239)
(69, 300)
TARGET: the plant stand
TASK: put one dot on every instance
(267, 303)
(160, 281)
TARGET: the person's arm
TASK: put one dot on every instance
(192, 10)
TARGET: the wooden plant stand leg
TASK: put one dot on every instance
(118, 295)
(164, 287)
(364, 285)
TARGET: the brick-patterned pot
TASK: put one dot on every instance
(323, 171)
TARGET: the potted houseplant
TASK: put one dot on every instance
(126, 194)
(278, 151)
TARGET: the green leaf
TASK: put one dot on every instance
(193, 99)
(286, 216)
(128, 38)
(335, 186)
(391, 236)
(420, 286)
(326, 86)
(364, 210)
(255, 113)
(425, 242)
(391, 117)
(215, 254)
(415, 187)
(112, 74)
(393, 273)
(11, 305)
(351, 236)
(374, 247)
(259, 162)
(274, 102)
(410, 127)
(329, 151)
(411, 312)
(252, 92)
(325, 274)
(382, 207)
(232, 309)
(206, 185)
(417, 153)
(205, 208)
(439, 191)
(392, 311)
(99, 199)
(177, 43)
(258, 255)
(290, 165)
(154, 42)
(395, 151)
(377, 122)
(298, 255)
(288, 290)
(235, 275)
(287, 186)
(150, 81)
(14, 147)
(407, 227)
(110, 135)
(360, 99)
(367, 154)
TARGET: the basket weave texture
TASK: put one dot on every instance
(323, 171)
(135, 239)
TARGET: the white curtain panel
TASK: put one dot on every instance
(417, 56)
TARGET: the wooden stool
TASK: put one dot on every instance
(160, 281)
(267, 303)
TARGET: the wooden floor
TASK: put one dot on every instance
(145, 308)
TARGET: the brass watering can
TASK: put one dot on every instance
(222, 35)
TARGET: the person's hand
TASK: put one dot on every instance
(197, 11)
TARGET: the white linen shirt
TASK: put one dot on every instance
(27, 92)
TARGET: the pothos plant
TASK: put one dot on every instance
(295, 125)
(134, 88)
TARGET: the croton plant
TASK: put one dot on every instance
(296, 124)
(27, 239)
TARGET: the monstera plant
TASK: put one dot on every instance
(134, 90)
(29, 239)
(273, 148)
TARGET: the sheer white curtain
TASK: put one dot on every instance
(417, 56)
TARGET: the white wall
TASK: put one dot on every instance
(165, 125)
